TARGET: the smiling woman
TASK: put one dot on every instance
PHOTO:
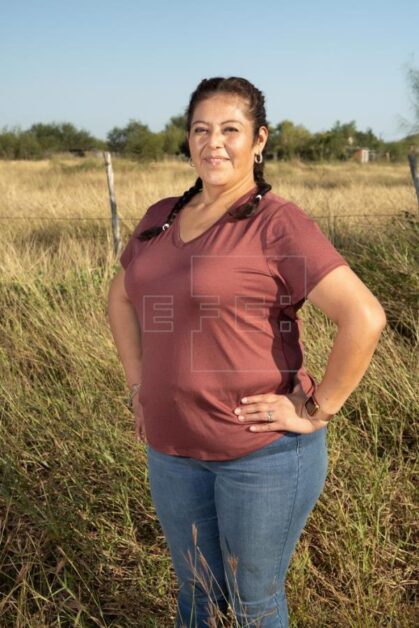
(223, 145)
(204, 314)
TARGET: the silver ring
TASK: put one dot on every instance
(269, 413)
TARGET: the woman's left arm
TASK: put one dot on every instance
(360, 319)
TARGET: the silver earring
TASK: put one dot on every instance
(258, 158)
(191, 163)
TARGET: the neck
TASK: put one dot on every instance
(226, 195)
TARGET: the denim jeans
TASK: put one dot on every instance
(232, 526)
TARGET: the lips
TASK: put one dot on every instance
(214, 161)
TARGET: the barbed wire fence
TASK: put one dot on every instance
(115, 223)
(331, 224)
(133, 218)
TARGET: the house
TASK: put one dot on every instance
(362, 155)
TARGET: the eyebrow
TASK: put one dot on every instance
(224, 122)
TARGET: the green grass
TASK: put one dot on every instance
(80, 543)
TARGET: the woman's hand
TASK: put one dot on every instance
(288, 413)
(137, 408)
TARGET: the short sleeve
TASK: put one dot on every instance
(129, 249)
(156, 214)
(298, 253)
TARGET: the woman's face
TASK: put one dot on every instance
(221, 141)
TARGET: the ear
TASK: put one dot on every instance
(263, 137)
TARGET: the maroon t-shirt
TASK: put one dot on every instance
(218, 319)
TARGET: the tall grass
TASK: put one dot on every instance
(80, 543)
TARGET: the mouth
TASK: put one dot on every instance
(216, 161)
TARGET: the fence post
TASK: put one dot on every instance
(332, 226)
(414, 170)
(115, 220)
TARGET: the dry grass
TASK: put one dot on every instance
(80, 543)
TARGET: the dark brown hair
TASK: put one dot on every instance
(255, 101)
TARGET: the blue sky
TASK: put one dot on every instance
(99, 64)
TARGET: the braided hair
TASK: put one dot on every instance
(256, 109)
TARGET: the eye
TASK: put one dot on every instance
(199, 129)
(231, 128)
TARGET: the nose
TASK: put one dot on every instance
(215, 138)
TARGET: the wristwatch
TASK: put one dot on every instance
(133, 391)
(314, 411)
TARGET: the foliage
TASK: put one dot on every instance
(289, 141)
(136, 140)
(286, 141)
(413, 80)
(60, 137)
(175, 136)
(43, 140)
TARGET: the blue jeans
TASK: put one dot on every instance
(232, 526)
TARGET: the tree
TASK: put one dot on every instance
(136, 140)
(18, 144)
(8, 144)
(61, 137)
(289, 140)
(368, 139)
(28, 147)
(174, 142)
(340, 139)
(117, 139)
(413, 80)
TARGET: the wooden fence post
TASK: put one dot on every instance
(332, 226)
(412, 157)
(115, 220)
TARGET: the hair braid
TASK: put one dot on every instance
(255, 103)
(250, 208)
(180, 203)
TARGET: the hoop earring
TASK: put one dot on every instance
(258, 158)
(191, 163)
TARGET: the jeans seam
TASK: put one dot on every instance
(297, 449)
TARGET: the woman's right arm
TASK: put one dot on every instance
(125, 329)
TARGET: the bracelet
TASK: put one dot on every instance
(133, 391)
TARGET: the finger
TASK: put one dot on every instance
(266, 427)
(268, 397)
(143, 434)
(255, 416)
(141, 437)
(139, 429)
(250, 411)
(272, 426)
(256, 407)
(304, 426)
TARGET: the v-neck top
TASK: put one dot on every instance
(177, 239)
(218, 319)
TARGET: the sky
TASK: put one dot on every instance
(101, 63)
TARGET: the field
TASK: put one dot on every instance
(80, 544)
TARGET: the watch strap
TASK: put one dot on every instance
(314, 410)
(133, 391)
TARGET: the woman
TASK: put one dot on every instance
(204, 317)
